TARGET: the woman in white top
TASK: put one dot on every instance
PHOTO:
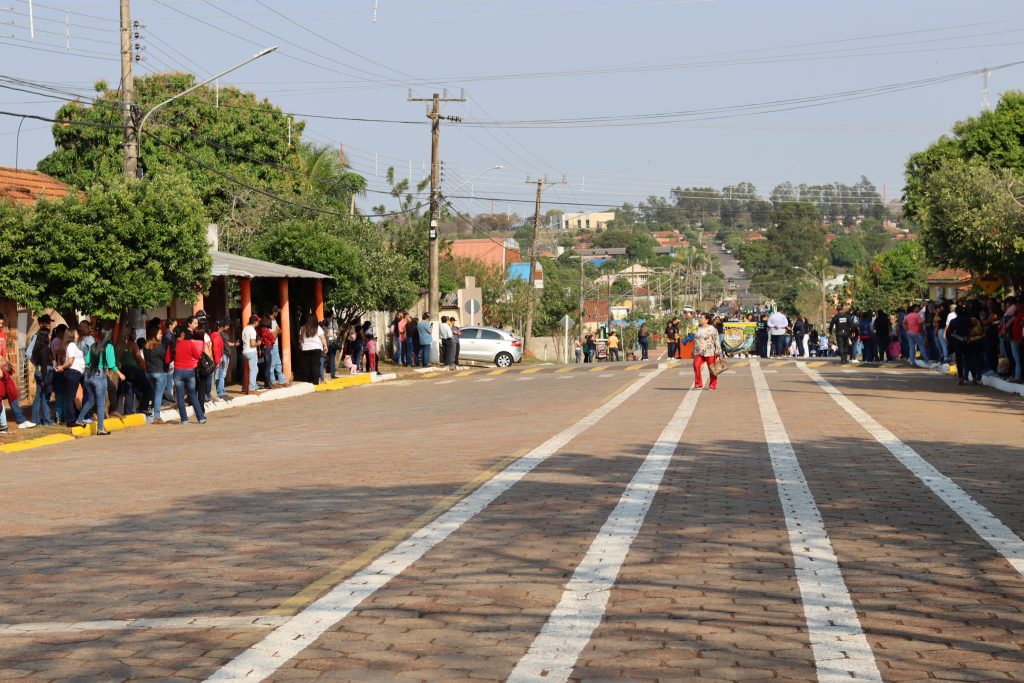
(72, 369)
(250, 352)
(313, 343)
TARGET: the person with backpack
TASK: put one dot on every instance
(42, 369)
(267, 343)
(101, 361)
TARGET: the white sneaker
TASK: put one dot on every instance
(26, 425)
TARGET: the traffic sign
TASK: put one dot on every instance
(566, 321)
(990, 284)
(472, 306)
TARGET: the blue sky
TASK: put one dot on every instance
(666, 56)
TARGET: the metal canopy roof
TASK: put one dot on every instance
(233, 265)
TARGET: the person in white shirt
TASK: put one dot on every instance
(777, 324)
(73, 368)
(313, 344)
(447, 350)
(250, 352)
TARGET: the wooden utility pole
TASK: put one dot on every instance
(531, 294)
(582, 308)
(131, 140)
(434, 114)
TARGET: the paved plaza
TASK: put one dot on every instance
(806, 521)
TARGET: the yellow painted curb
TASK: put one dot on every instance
(530, 371)
(561, 370)
(499, 371)
(344, 382)
(48, 440)
(817, 364)
(634, 367)
(466, 373)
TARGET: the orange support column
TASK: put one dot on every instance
(199, 304)
(245, 287)
(318, 293)
(286, 329)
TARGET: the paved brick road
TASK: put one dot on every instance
(168, 553)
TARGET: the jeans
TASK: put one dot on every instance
(914, 342)
(3, 420)
(185, 381)
(940, 337)
(424, 355)
(778, 345)
(397, 356)
(275, 371)
(40, 404)
(613, 355)
(1015, 353)
(409, 354)
(579, 356)
(95, 396)
(160, 382)
(856, 348)
(222, 373)
(357, 356)
(869, 349)
(644, 347)
(448, 351)
(268, 366)
(252, 363)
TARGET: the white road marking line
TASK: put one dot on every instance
(556, 648)
(140, 624)
(445, 381)
(977, 516)
(302, 630)
(486, 379)
(524, 379)
(841, 651)
(607, 374)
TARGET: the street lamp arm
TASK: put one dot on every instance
(261, 53)
(497, 167)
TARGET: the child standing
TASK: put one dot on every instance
(371, 351)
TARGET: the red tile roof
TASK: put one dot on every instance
(950, 275)
(490, 251)
(26, 187)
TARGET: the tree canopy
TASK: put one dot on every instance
(893, 279)
(122, 245)
(234, 134)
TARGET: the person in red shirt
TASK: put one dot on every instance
(187, 352)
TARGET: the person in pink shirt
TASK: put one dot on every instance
(371, 352)
(915, 333)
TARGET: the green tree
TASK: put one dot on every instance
(893, 279)
(323, 175)
(368, 276)
(973, 219)
(847, 251)
(122, 245)
(244, 138)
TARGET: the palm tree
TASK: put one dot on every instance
(322, 174)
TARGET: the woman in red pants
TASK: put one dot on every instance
(707, 347)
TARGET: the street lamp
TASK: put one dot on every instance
(496, 167)
(142, 123)
(823, 291)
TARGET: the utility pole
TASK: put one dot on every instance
(131, 140)
(531, 294)
(582, 310)
(434, 114)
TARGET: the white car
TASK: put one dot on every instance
(489, 345)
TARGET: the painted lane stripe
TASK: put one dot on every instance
(445, 381)
(607, 374)
(530, 371)
(568, 369)
(41, 627)
(499, 371)
(817, 364)
(466, 373)
(841, 651)
(556, 648)
(302, 630)
(977, 516)
(634, 367)
(524, 379)
(599, 368)
(485, 379)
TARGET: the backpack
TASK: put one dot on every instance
(267, 337)
(205, 367)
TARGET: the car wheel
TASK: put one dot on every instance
(503, 360)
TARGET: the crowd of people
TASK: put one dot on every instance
(82, 376)
(982, 336)
(412, 339)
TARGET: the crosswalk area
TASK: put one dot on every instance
(799, 523)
